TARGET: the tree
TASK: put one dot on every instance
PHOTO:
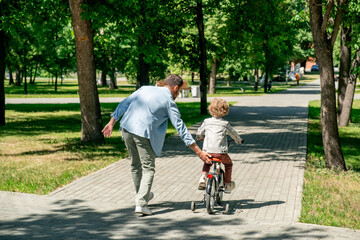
(216, 34)
(202, 57)
(2, 68)
(259, 40)
(345, 64)
(350, 91)
(91, 124)
(324, 36)
(349, 67)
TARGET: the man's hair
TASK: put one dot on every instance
(173, 80)
(218, 107)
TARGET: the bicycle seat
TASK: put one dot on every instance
(214, 159)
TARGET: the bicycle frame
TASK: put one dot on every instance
(214, 175)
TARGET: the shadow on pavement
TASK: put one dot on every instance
(72, 219)
(69, 219)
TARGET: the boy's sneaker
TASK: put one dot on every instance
(229, 187)
(143, 211)
(202, 182)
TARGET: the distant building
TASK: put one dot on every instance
(307, 64)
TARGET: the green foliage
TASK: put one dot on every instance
(260, 33)
(39, 33)
(132, 28)
(241, 35)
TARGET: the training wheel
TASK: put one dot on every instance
(193, 206)
(227, 209)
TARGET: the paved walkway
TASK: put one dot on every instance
(268, 171)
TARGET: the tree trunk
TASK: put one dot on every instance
(192, 78)
(56, 80)
(2, 71)
(31, 74)
(345, 62)
(266, 80)
(62, 75)
(267, 57)
(345, 116)
(323, 47)
(103, 78)
(11, 79)
(17, 76)
(25, 80)
(91, 124)
(143, 78)
(202, 47)
(256, 79)
(212, 85)
(113, 84)
(36, 68)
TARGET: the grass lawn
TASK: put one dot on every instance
(40, 147)
(43, 88)
(236, 88)
(332, 198)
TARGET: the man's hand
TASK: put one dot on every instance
(107, 131)
(204, 156)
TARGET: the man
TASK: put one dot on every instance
(143, 126)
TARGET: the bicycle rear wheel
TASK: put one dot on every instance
(219, 196)
(210, 196)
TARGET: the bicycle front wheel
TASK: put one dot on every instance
(210, 196)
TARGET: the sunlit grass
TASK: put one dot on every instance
(40, 148)
(332, 198)
(44, 88)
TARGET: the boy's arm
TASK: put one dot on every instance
(200, 132)
(234, 135)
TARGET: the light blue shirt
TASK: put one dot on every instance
(146, 113)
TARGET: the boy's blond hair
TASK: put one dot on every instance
(218, 107)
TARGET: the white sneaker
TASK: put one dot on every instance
(202, 182)
(151, 196)
(230, 187)
(143, 211)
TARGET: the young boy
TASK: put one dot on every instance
(216, 130)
